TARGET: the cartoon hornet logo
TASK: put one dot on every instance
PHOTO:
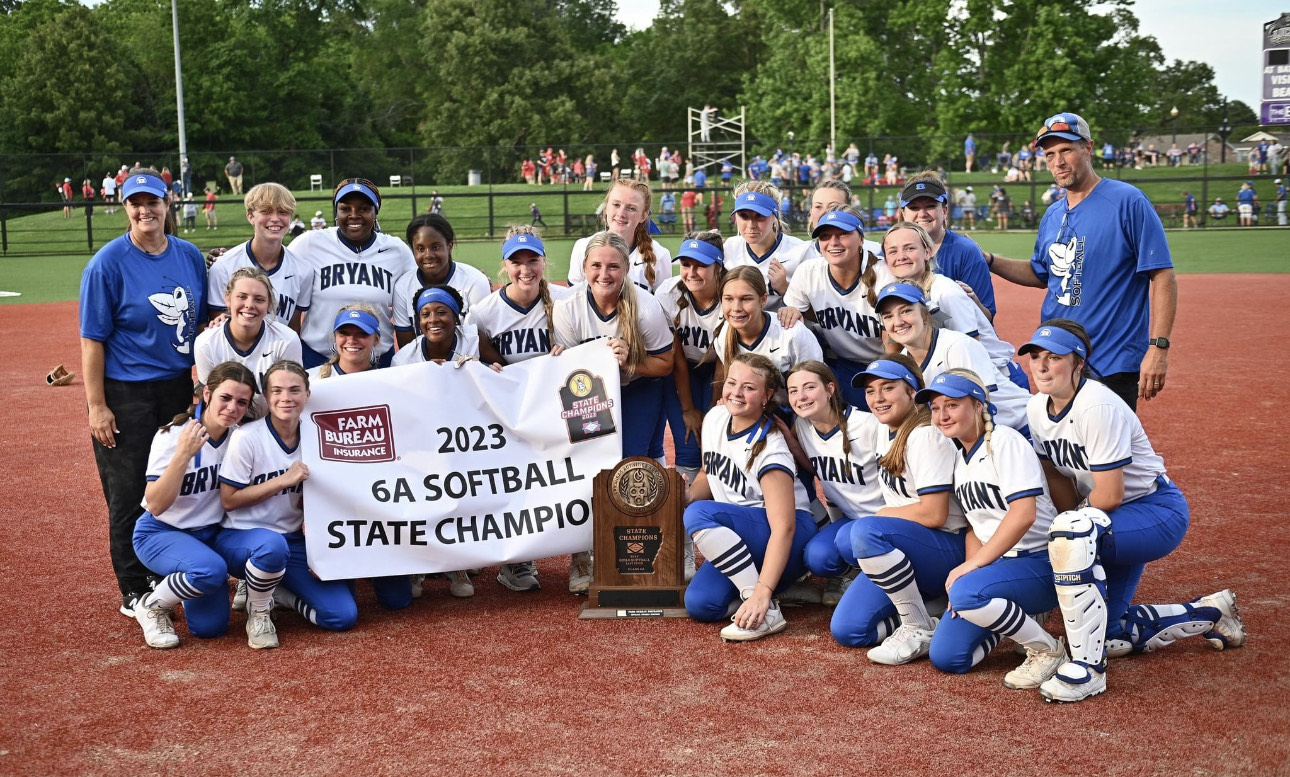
(1062, 257)
(174, 308)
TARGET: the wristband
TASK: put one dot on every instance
(989, 265)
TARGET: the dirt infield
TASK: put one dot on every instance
(514, 683)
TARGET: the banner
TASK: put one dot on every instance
(432, 468)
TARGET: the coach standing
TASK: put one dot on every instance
(1101, 253)
(143, 298)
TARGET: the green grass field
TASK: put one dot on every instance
(57, 278)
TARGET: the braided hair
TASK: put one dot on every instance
(224, 371)
(919, 415)
(641, 237)
(774, 382)
(987, 420)
(713, 238)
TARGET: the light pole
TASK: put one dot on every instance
(790, 143)
(1174, 113)
(1224, 130)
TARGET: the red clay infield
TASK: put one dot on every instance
(515, 684)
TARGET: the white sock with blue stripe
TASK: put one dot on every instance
(726, 551)
(174, 589)
(1006, 618)
(894, 574)
(259, 587)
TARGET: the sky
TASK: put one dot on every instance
(1226, 35)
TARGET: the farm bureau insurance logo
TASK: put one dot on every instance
(362, 434)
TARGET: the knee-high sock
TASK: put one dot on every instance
(259, 587)
(894, 574)
(726, 551)
(174, 589)
(1005, 618)
(284, 597)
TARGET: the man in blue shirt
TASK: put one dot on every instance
(1281, 202)
(1101, 254)
(969, 150)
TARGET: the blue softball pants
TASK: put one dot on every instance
(643, 419)
(710, 593)
(687, 451)
(273, 551)
(1146, 529)
(846, 370)
(165, 550)
(864, 606)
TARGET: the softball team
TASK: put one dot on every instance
(353, 261)
(1120, 511)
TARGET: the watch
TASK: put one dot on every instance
(1159, 342)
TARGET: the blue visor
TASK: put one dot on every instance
(906, 291)
(359, 318)
(838, 219)
(887, 370)
(1056, 340)
(757, 202)
(516, 243)
(702, 252)
(352, 188)
(144, 184)
(955, 386)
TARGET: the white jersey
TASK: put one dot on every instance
(277, 341)
(986, 483)
(470, 283)
(256, 454)
(518, 333)
(847, 321)
(578, 321)
(292, 281)
(929, 469)
(635, 273)
(693, 326)
(954, 349)
(784, 347)
(725, 459)
(789, 250)
(465, 342)
(1096, 432)
(343, 275)
(198, 502)
(851, 483)
(956, 310)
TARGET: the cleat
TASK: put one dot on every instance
(127, 604)
(689, 559)
(907, 643)
(1038, 667)
(459, 584)
(158, 631)
(260, 631)
(1074, 681)
(239, 597)
(836, 586)
(774, 623)
(580, 572)
(519, 577)
(799, 593)
(1229, 632)
(417, 583)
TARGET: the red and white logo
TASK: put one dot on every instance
(363, 434)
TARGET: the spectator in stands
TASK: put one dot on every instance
(590, 181)
(1190, 206)
(969, 151)
(1175, 155)
(1193, 153)
(528, 171)
(1108, 156)
(968, 202)
(1028, 215)
(1247, 204)
(212, 220)
(233, 171)
(1002, 207)
(186, 175)
(667, 211)
(687, 211)
(318, 221)
(1219, 210)
(535, 215)
(65, 194)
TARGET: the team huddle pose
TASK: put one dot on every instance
(958, 509)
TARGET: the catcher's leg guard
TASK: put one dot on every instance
(1081, 593)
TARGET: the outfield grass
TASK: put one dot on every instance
(57, 278)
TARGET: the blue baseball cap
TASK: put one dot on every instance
(1067, 126)
(702, 252)
(358, 188)
(428, 296)
(144, 184)
(916, 189)
(359, 318)
(955, 386)
(757, 202)
(1056, 340)
(906, 291)
(522, 242)
(839, 219)
(887, 370)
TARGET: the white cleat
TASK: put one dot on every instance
(773, 623)
(1229, 632)
(580, 572)
(1074, 682)
(1038, 667)
(907, 643)
(158, 631)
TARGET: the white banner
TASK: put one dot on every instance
(433, 468)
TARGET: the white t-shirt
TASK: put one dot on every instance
(957, 311)
(636, 273)
(343, 276)
(518, 333)
(954, 349)
(198, 502)
(292, 281)
(851, 483)
(848, 322)
(784, 347)
(929, 469)
(1096, 432)
(470, 282)
(789, 250)
(577, 321)
(465, 343)
(725, 459)
(256, 454)
(277, 341)
(693, 327)
(987, 482)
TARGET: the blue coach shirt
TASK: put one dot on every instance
(1095, 258)
(960, 258)
(144, 308)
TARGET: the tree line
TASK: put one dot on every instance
(454, 75)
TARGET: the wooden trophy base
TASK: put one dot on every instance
(633, 602)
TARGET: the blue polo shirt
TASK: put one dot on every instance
(961, 259)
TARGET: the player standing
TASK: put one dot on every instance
(432, 240)
(748, 512)
(762, 242)
(1121, 511)
(627, 212)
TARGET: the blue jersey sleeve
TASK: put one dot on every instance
(1147, 236)
(98, 300)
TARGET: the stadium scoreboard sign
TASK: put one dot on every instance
(1276, 71)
